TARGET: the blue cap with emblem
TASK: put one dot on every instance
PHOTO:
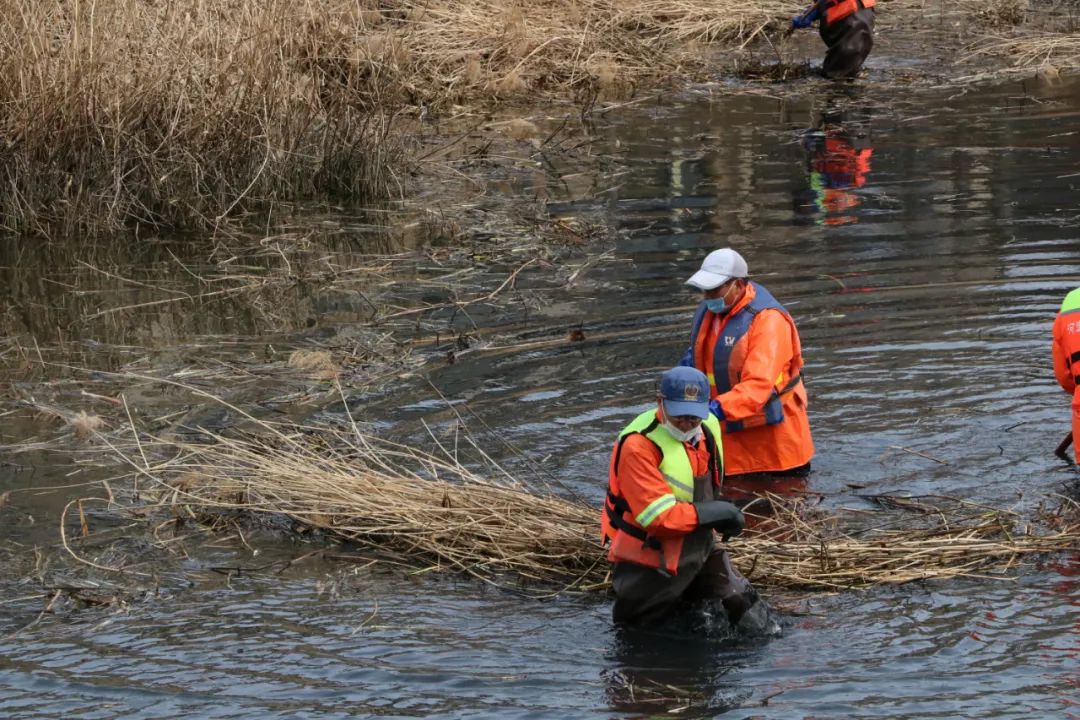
(685, 391)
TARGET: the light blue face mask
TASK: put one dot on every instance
(717, 305)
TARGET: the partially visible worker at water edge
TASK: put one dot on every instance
(745, 341)
(1067, 358)
(847, 28)
(662, 509)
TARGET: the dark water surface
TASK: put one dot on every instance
(923, 240)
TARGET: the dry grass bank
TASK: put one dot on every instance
(182, 114)
(1040, 35)
(177, 114)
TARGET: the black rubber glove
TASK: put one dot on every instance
(721, 516)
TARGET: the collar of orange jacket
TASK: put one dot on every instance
(748, 295)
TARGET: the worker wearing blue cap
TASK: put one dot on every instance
(663, 511)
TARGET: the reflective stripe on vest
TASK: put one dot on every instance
(734, 329)
(657, 506)
(839, 9)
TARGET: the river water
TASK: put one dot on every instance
(923, 239)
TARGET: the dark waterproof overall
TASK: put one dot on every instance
(849, 40)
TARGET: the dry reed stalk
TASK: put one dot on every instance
(319, 364)
(395, 497)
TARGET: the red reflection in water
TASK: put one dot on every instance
(1069, 567)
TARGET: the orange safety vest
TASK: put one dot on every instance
(839, 9)
(768, 447)
(630, 540)
(723, 361)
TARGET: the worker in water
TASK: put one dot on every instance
(847, 28)
(1066, 353)
(662, 511)
(746, 343)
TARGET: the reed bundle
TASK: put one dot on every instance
(385, 495)
(431, 510)
(922, 539)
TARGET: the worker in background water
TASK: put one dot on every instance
(847, 28)
(747, 344)
(1066, 352)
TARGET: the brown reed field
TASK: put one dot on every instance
(125, 112)
(183, 115)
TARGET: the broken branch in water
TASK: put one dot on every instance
(886, 454)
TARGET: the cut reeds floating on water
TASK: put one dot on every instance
(436, 513)
(319, 364)
(1047, 51)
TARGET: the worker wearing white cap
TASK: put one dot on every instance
(746, 343)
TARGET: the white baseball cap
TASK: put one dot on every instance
(718, 267)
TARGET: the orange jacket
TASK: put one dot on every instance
(1066, 352)
(761, 363)
(839, 9)
(1067, 343)
(635, 483)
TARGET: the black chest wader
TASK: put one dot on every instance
(849, 41)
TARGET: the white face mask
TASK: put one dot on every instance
(690, 436)
(687, 437)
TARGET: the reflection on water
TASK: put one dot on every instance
(838, 154)
(924, 301)
(678, 671)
